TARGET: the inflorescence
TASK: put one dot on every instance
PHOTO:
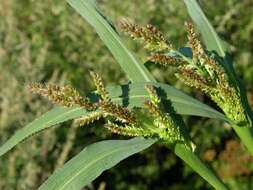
(151, 122)
(201, 71)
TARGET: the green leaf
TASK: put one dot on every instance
(132, 67)
(51, 118)
(128, 95)
(92, 161)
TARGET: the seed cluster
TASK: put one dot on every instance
(166, 60)
(100, 86)
(149, 35)
(90, 118)
(121, 113)
(201, 71)
(65, 96)
(164, 122)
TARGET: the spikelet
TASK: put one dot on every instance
(122, 114)
(193, 79)
(88, 119)
(100, 86)
(149, 35)
(132, 131)
(166, 60)
(214, 69)
(65, 96)
(153, 95)
(153, 109)
(167, 124)
(197, 49)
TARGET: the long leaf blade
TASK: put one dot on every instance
(132, 67)
(51, 118)
(92, 161)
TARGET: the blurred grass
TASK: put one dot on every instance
(46, 41)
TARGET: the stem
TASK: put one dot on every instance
(245, 134)
(199, 166)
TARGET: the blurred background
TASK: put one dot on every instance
(46, 41)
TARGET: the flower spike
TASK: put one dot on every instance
(149, 35)
(166, 60)
(100, 86)
(120, 113)
(65, 96)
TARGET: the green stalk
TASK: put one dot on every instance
(245, 134)
(199, 166)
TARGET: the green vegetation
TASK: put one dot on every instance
(48, 42)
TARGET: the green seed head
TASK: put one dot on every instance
(149, 35)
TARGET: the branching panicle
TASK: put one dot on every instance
(204, 72)
(119, 120)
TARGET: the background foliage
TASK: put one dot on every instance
(46, 41)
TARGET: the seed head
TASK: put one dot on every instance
(191, 78)
(122, 114)
(65, 96)
(166, 60)
(127, 130)
(100, 86)
(197, 49)
(153, 95)
(149, 35)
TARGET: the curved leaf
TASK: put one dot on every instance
(132, 67)
(51, 118)
(92, 161)
(128, 95)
